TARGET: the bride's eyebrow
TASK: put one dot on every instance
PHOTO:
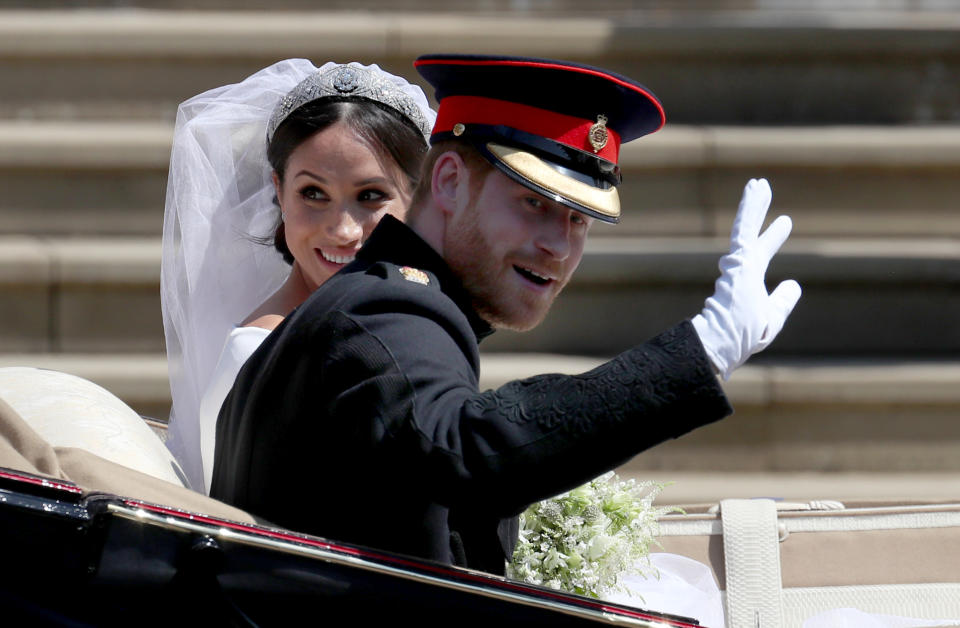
(311, 174)
(360, 183)
(373, 180)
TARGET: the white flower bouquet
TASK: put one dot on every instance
(585, 540)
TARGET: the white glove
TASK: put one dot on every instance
(741, 319)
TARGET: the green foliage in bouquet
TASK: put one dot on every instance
(583, 541)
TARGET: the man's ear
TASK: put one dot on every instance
(450, 180)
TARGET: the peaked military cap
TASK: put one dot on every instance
(554, 126)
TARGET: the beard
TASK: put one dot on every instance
(495, 297)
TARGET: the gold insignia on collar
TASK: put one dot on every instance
(598, 135)
(415, 275)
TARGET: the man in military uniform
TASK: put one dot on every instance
(360, 418)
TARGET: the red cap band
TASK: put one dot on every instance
(567, 130)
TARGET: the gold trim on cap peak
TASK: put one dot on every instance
(533, 169)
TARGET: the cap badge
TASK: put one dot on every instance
(415, 275)
(458, 129)
(598, 135)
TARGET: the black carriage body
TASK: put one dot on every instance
(79, 560)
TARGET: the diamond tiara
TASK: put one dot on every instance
(349, 81)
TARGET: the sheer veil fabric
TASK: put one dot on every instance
(219, 201)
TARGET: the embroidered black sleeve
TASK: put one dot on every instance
(655, 391)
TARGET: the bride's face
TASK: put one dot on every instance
(335, 190)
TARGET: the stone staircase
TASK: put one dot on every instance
(852, 115)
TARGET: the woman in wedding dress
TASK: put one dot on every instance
(306, 159)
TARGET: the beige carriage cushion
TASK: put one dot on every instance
(863, 545)
(94, 473)
(22, 449)
(69, 411)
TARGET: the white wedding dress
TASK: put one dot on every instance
(684, 587)
(239, 346)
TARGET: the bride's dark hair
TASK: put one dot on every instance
(383, 128)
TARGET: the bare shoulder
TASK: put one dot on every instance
(266, 321)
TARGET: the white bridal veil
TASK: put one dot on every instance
(219, 199)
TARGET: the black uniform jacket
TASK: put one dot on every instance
(359, 418)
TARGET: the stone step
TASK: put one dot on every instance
(83, 178)
(878, 415)
(862, 297)
(709, 487)
(80, 295)
(109, 178)
(834, 181)
(748, 66)
(805, 421)
(694, 8)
